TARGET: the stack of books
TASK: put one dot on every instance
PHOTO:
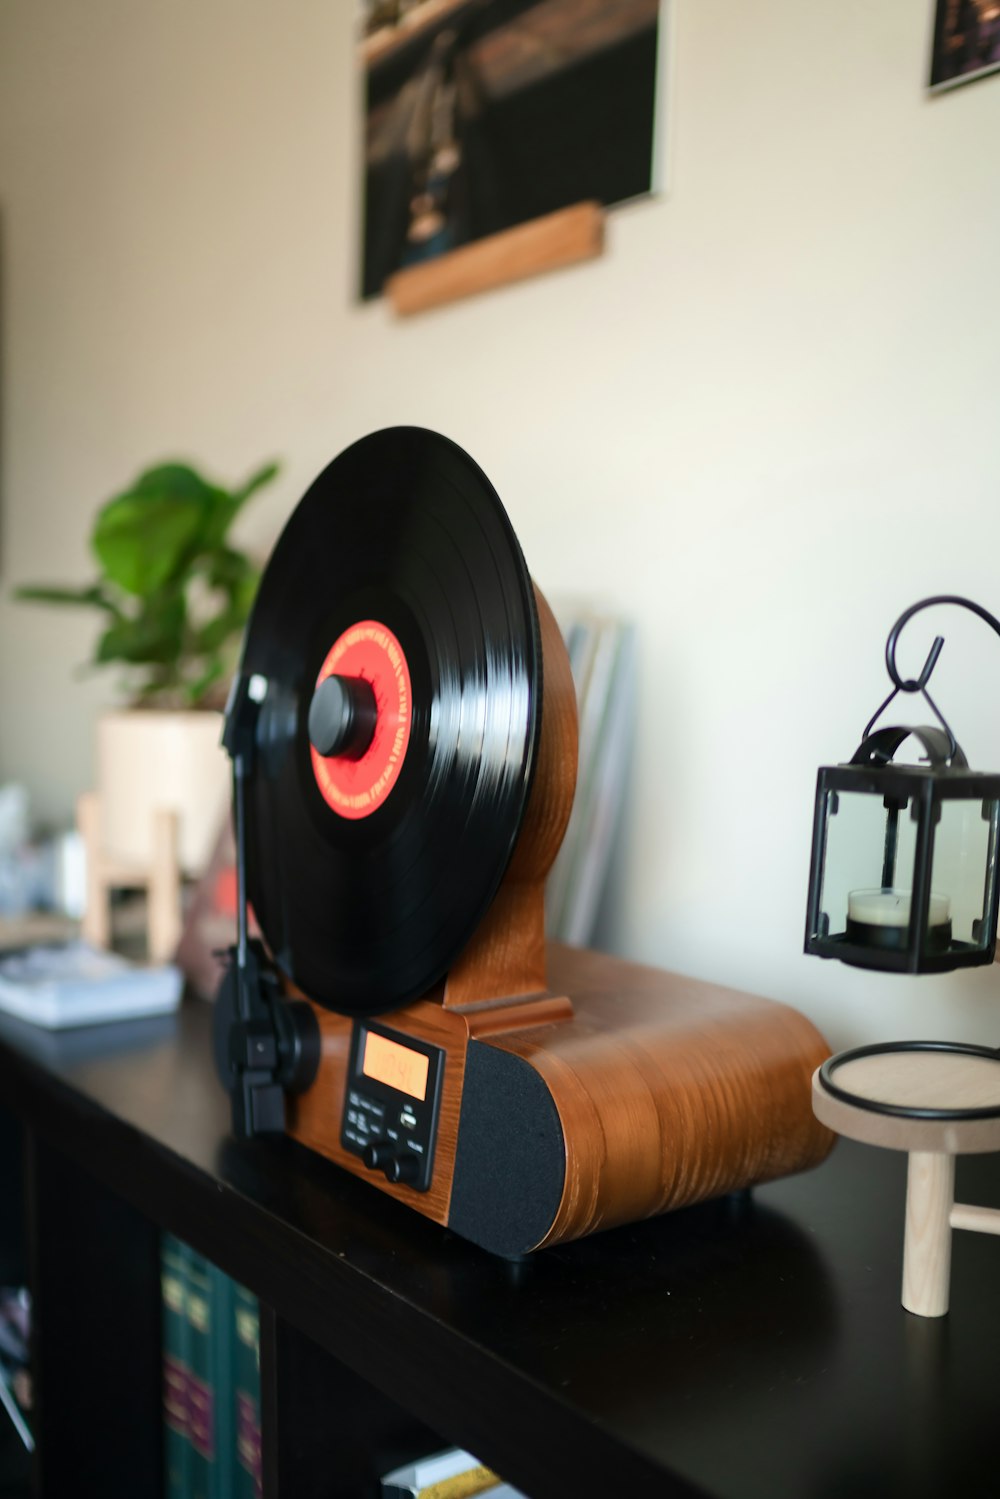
(211, 1380)
(69, 984)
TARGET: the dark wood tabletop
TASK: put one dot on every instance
(751, 1348)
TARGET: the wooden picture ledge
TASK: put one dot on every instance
(544, 244)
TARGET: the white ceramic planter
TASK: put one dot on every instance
(149, 761)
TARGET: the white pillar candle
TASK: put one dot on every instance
(892, 908)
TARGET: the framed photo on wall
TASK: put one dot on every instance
(482, 115)
(966, 42)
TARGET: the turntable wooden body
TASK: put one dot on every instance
(575, 1091)
(404, 739)
(655, 1092)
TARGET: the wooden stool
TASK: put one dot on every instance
(935, 1100)
(161, 879)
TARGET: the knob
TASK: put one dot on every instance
(342, 717)
(380, 1155)
(403, 1168)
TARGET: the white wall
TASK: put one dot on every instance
(761, 425)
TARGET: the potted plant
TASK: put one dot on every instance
(174, 594)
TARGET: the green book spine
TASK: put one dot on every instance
(176, 1372)
(201, 1416)
(248, 1476)
(223, 1383)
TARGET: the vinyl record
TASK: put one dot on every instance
(399, 578)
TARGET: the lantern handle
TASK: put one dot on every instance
(880, 748)
(954, 749)
(919, 684)
(909, 685)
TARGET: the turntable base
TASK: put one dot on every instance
(649, 1092)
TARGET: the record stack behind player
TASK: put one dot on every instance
(403, 737)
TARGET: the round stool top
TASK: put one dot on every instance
(917, 1095)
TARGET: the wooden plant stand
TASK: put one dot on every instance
(935, 1100)
(161, 878)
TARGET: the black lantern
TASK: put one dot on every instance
(904, 857)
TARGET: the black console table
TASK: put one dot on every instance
(746, 1349)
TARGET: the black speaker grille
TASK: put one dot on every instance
(511, 1159)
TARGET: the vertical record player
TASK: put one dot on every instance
(403, 736)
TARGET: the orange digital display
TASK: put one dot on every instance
(396, 1066)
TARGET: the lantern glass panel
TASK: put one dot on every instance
(964, 868)
(869, 847)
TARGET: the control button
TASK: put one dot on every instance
(404, 1168)
(353, 1098)
(379, 1155)
(408, 1120)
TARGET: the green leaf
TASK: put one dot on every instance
(153, 531)
(142, 542)
(224, 510)
(154, 636)
(234, 574)
(264, 475)
(223, 627)
(92, 597)
(245, 594)
(228, 569)
(215, 522)
(177, 481)
(215, 633)
(151, 541)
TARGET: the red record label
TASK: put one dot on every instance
(357, 788)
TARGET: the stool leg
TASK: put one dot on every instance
(96, 924)
(164, 911)
(930, 1192)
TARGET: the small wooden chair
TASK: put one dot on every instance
(935, 1100)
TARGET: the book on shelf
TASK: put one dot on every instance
(211, 1379)
(176, 1366)
(249, 1473)
(75, 984)
(199, 1390)
(452, 1474)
